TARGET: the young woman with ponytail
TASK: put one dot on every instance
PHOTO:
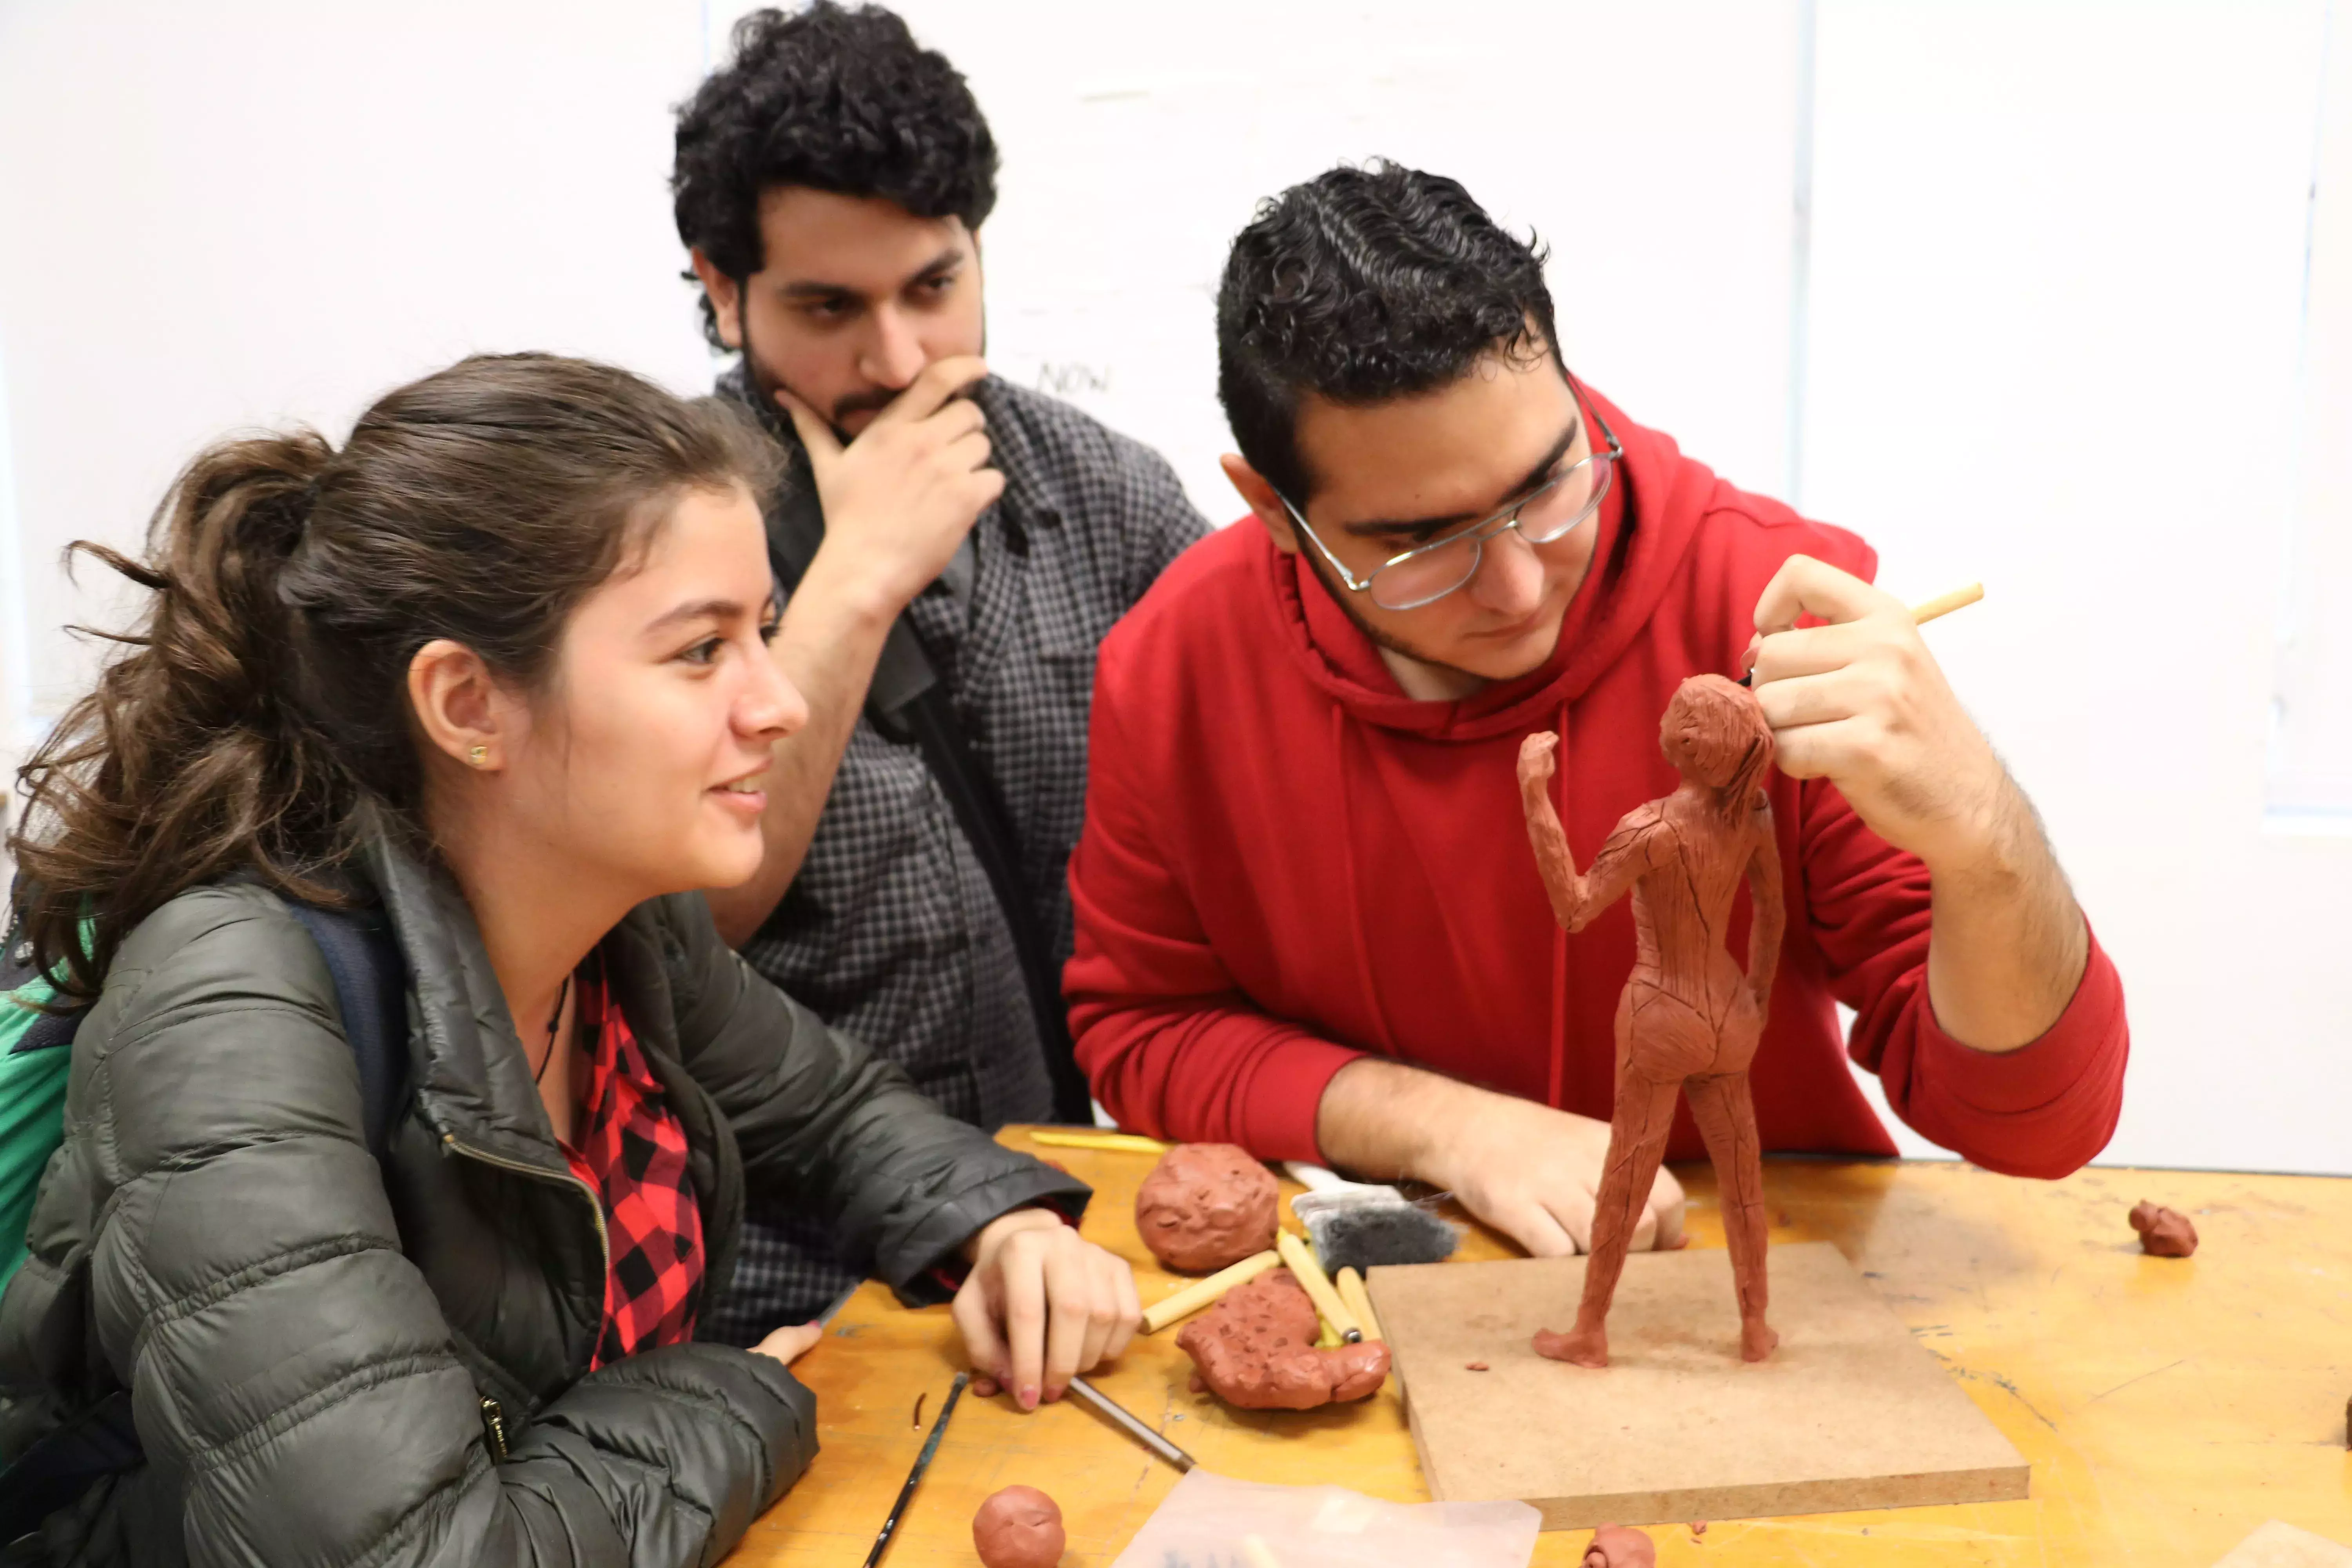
(497, 668)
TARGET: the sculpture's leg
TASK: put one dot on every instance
(1637, 1143)
(1727, 1119)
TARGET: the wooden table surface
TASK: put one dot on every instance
(2168, 1406)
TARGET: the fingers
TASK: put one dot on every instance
(1538, 1227)
(814, 433)
(1804, 586)
(790, 1343)
(992, 1362)
(1840, 749)
(928, 393)
(1081, 1307)
(1023, 1280)
(1645, 1231)
(1821, 698)
(1130, 1304)
(967, 453)
(1814, 650)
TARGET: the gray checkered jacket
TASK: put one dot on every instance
(891, 931)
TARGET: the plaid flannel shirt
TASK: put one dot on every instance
(631, 1149)
(891, 930)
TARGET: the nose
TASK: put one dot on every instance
(770, 706)
(1511, 575)
(894, 355)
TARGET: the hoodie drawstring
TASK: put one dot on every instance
(1355, 899)
(1557, 1098)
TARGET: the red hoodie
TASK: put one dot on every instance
(1288, 863)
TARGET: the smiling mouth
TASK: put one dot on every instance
(751, 783)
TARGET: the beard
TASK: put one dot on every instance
(767, 383)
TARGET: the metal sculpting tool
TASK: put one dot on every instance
(915, 1476)
(1117, 1415)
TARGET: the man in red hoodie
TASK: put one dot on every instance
(1307, 918)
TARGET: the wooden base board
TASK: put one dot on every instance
(1849, 1413)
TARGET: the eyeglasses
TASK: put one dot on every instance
(1427, 572)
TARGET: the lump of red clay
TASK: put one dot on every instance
(2166, 1233)
(1019, 1527)
(1620, 1546)
(1206, 1205)
(1255, 1350)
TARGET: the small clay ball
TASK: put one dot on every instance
(1019, 1527)
(1206, 1205)
(1620, 1546)
(2166, 1233)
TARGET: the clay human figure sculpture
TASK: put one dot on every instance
(1689, 1018)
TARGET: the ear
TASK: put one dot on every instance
(726, 299)
(460, 706)
(1262, 500)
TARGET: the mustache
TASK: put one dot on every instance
(873, 401)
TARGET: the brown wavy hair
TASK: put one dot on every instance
(256, 719)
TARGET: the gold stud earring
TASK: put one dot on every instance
(479, 756)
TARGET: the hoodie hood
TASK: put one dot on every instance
(1647, 524)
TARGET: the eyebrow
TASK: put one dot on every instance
(951, 256)
(1534, 476)
(704, 609)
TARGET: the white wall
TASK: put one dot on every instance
(2051, 331)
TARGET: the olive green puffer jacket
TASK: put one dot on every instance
(309, 1337)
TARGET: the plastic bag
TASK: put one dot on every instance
(1214, 1522)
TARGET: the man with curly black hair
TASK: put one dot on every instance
(953, 549)
(1308, 919)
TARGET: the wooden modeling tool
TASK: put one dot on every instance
(1351, 1286)
(1921, 613)
(915, 1476)
(1119, 1416)
(1117, 1143)
(1206, 1292)
(1310, 1273)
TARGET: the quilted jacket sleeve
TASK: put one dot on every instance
(827, 1127)
(290, 1370)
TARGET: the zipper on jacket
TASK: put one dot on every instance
(596, 1203)
(494, 1429)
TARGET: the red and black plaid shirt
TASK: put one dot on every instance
(630, 1147)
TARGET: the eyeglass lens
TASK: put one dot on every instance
(1429, 574)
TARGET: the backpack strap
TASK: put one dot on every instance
(371, 989)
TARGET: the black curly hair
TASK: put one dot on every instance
(1363, 285)
(835, 98)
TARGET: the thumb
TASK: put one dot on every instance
(815, 435)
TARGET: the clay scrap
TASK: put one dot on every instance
(1019, 1527)
(1206, 1207)
(1255, 1350)
(2163, 1232)
(1620, 1546)
(1691, 1017)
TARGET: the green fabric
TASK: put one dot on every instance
(32, 1118)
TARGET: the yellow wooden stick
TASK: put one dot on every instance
(1351, 1286)
(1310, 1273)
(1203, 1293)
(1945, 604)
(1123, 1142)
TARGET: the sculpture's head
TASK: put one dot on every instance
(1714, 734)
